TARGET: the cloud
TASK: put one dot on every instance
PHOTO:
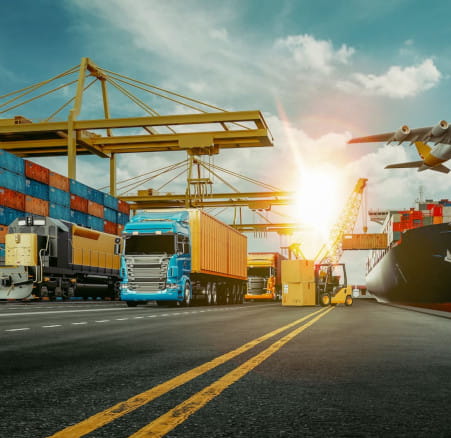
(312, 55)
(397, 82)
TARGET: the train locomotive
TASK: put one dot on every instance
(47, 257)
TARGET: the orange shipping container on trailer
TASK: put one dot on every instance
(59, 181)
(36, 206)
(36, 172)
(217, 249)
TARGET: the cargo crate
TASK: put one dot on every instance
(12, 199)
(36, 189)
(12, 181)
(12, 162)
(59, 181)
(36, 206)
(58, 196)
(36, 172)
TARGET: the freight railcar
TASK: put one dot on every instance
(47, 257)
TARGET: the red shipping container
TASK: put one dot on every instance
(12, 199)
(120, 228)
(36, 206)
(397, 226)
(3, 232)
(95, 209)
(110, 227)
(123, 207)
(78, 203)
(59, 181)
(437, 210)
(36, 172)
(430, 206)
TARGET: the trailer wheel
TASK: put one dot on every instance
(187, 295)
(325, 300)
(131, 303)
(214, 294)
(209, 295)
(348, 300)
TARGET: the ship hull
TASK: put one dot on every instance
(417, 270)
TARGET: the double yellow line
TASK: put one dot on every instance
(180, 413)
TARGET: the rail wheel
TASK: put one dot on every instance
(348, 300)
(325, 300)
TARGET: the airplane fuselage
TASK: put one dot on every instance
(438, 154)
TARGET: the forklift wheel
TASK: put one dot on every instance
(325, 300)
(348, 300)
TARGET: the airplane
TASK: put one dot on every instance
(431, 157)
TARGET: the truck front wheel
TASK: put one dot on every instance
(187, 295)
(131, 304)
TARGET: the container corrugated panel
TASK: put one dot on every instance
(12, 181)
(12, 199)
(110, 201)
(36, 206)
(7, 215)
(79, 189)
(96, 223)
(123, 207)
(110, 215)
(36, 189)
(95, 195)
(59, 181)
(61, 212)
(364, 241)
(36, 172)
(58, 196)
(79, 218)
(3, 233)
(78, 203)
(95, 209)
(93, 248)
(109, 227)
(122, 218)
(12, 163)
(216, 248)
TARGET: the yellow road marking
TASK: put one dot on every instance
(164, 424)
(107, 416)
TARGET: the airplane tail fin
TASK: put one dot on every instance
(411, 164)
(422, 148)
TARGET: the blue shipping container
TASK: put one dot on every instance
(36, 189)
(79, 189)
(122, 218)
(96, 223)
(110, 215)
(79, 218)
(12, 162)
(58, 196)
(7, 215)
(110, 201)
(95, 195)
(61, 212)
(12, 181)
(2, 251)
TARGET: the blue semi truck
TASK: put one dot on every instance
(177, 256)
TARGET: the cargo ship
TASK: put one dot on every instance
(415, 268)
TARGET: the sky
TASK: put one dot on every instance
(321, 72)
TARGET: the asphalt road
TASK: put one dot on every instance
(105, 370)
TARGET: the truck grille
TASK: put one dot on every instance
(256, 286)
(147, 274)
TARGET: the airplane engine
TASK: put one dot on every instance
(401, 133)
(440, 128)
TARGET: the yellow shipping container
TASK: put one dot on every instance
(93, 248)
(364, 241)
(217, 249)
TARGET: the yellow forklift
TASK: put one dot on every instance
(332, 285)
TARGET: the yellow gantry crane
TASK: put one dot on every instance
(204, 131)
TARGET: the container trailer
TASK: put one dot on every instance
(182, 255)
(264, 280)
(48, 257)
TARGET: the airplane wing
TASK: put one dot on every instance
(440, 133)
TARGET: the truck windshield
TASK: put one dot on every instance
(259, 271)
(138, 245)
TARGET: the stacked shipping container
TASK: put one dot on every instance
(27, 187)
